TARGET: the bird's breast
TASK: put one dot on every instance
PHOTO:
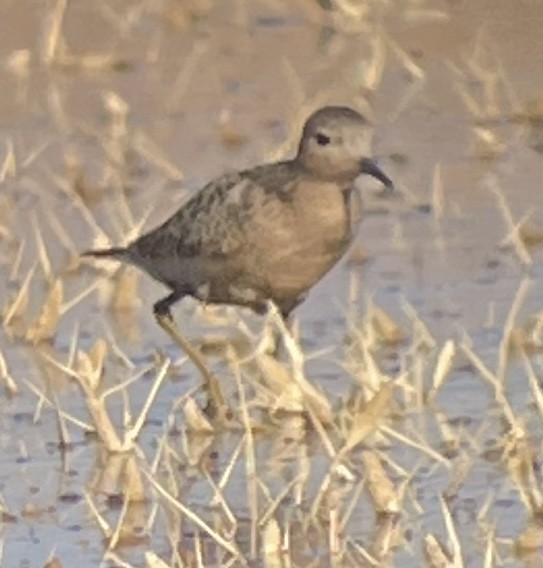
(313, 233)
(326, 217)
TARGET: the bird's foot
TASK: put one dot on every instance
(162, 310)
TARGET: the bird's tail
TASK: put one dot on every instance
(114, 252)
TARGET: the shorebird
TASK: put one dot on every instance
(268, 233)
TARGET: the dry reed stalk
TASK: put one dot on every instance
(176, 504)
(81, 185)
(111, 557)
(196, 445)
(229, 467)
(92, 62)
(372, 378)
(43, 257)
(132, 486)
(450, 436)
(250, 455)
(230, 134)
(370, 73)
(100, 519)
(386, 329)
(45, 326)
(272, 555)
(334, 540)
(365, 555)
(422, 15)
(35, 153)
(56, 105)
(420, 330)
(102, 240)
(487, 145)
(196, 419)
(509, 325)
(17, 261)
(531, 538)
(220, 499)
(520, 458)
(534, 384)
(274, 505)
(132, 433)
(6, 234)
(89, 368)
(438, 195)
(7, 516)
(436, 554)
(474, 108)
(12, 388)
(284, 394)
(513, 235)
(53, 39)
(383, 493)
(14, 310)
(153, 561)
(368, 420)
(125, 291)
(68, 305)
(443, 367)
(530, 233)
(314, 401)
(63, 432)
(91, 365)
(100, 417)
(385, 537)
(8, 169)
(64, 238)
(43, 399)
(198, 550)
(490, 377)
(457, 561)
(118, 352)
(177, 91)
(116, 534)
(419, 445)
(19, 64)
(53, 562)
(407, 62)
(490, 557)
(461, 468)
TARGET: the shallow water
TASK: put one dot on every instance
(181, 68)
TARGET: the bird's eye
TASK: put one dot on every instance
(322, 139)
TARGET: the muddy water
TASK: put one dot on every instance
(220, 85)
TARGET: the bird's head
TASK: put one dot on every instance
(336, 145)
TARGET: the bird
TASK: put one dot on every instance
(268, 233)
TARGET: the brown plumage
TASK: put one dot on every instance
(267, 233)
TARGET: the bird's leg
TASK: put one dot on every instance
(164, 319)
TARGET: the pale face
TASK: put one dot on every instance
(336, 144)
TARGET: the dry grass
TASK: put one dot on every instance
(284, 472)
